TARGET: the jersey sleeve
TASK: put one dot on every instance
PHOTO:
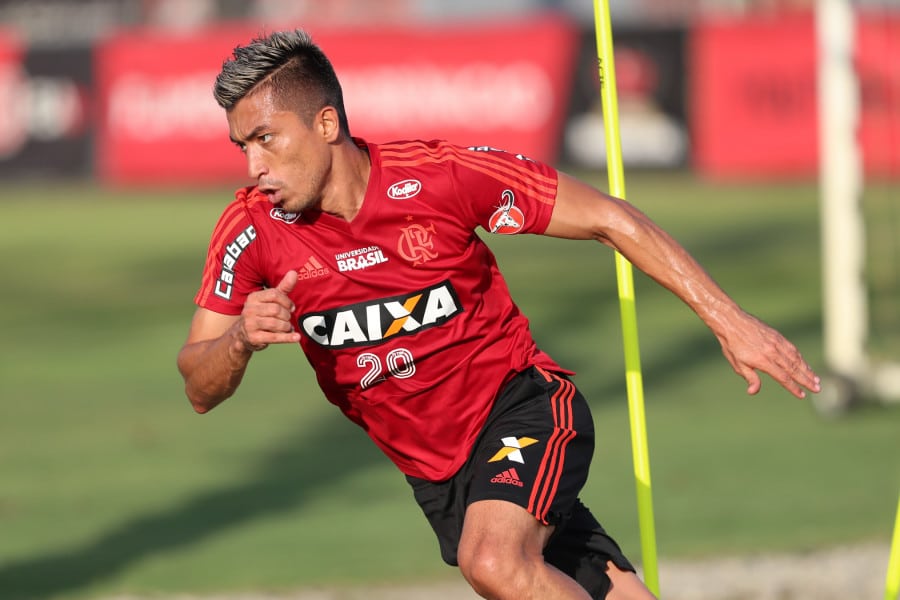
(230, 273)
(506, 193)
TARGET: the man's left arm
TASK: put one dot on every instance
(583, 212)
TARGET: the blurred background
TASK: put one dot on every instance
(764, 134)
(98, 88)
(102, 88)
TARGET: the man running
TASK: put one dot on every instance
(366, 255)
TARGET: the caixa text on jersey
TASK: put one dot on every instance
(372, 322)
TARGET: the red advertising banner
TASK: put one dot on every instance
(504, 85)
(878, 63)
(753, 105)
(13, 133)
(158, 121)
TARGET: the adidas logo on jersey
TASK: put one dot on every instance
(313, 268)
(510, 477)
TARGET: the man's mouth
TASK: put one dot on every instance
(273, 195)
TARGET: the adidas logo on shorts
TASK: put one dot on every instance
(510, 477)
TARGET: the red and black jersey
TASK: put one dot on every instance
(403, 313)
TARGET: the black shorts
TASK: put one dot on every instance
(535, 451)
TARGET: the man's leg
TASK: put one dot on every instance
(494, 518)
(501, 555)
(626, 585)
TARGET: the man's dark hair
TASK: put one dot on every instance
(288, 63)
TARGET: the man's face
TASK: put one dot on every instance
(289, 160)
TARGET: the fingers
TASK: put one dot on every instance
(792, 371)
(795, 375)
(287, 283)
(754, 383)
(277, 295)
(800, 377)
(267, 315)
(762, 349)
(268, 323)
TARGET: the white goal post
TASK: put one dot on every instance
(852, 374)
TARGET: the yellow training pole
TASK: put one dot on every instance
(892, 588)
(625, 279)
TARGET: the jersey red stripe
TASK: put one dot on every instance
(483, 159)
(499, 157)
(420, 150)
(483, 163)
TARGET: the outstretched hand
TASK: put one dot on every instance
(750, 346)
(266, 318)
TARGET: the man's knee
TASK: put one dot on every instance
(501, 549)
(492, 570)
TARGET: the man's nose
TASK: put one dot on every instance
(256, 166)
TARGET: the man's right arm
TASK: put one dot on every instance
(749, 345)
(218, 348)
(213, 359)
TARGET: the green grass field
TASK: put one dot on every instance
(110, 484)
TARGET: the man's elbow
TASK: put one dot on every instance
(204, 389)
(200, 402)
(199, 406)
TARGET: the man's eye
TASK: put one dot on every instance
(264, 138)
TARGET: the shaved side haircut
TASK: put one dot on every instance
(292, 67)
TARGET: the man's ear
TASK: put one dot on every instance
(328, 124)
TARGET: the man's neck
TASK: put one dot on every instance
(348, 181)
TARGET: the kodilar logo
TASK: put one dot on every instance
(404, 190)
(279, 214)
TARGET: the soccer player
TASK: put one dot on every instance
(366, 255)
